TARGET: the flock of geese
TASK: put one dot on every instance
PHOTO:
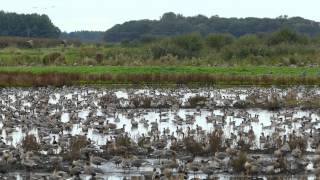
(162, 133)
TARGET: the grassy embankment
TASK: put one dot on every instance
(79, 75)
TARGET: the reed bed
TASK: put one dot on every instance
(203, 79)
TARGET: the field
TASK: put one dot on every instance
(187, 59)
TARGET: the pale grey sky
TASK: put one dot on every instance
(70, 15)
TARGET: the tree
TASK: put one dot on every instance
(27, 25)
(84, 36)
(251, 40)
(183, 46)
(218, 41)
(285, 35)
(191, 44)
(171, 24)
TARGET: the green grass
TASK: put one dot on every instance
(247, 71)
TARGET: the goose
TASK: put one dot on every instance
(138, 162)
(88, 169)
(117, 160)
(296, 152)
(97, 160)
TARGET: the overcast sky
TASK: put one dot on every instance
(70, 15)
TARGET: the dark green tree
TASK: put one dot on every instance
(27, 25)
(219, 40)
(171, 24)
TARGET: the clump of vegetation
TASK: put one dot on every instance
(109, 100)
(242, 104)
(99, 58)
(75, 146)
(291, 99)
(183, 46)
(141, 101)
(215, 141)
(311, 102)
(59, 76)
(238, 164)
(123, 140)
(274, 102)
(197, 100)
(29, 143)
(219, 40)
(54, 58)
(192, 146)
(297, 142)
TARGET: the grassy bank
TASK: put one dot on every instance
(141, 75)
(236, 71)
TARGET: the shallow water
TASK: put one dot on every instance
(84, 102)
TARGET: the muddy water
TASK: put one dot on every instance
(152, 115)
(166, 118)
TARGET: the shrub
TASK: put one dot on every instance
(215, 141)
(99, 58)
(75, 146)
(123, 141)
(88, 51)
(54, 58)
(219, 40)
(29, 143)
(184, 46)
(287, 36)
(191, 44)
(239, 162)
(193, 146)
(197, 101)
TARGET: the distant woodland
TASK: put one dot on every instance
(172, 24)
(27, 25)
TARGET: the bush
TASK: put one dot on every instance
(99, 58)
(238, 163)
(286, 36)
(88, 51)
(215, 141)
(75, 146)
(166, 48)
(193, 146)
(29, 143)
(184, 46)
(191, 44)
(54, 58)
(250, 40)
(195, 101)
(218, 41)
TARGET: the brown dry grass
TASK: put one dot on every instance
(75, 146)
(29, 143)
(60, 79)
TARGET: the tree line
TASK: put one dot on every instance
(84, 36)
(172, 24)
(282, 42)
(27, 25)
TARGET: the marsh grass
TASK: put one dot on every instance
(161, 75)
(60, 79)
(29, 143)
(196, 101)
(75, 146)
(215, 141)
(192, 146)
(141, 102)
(239, 162)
